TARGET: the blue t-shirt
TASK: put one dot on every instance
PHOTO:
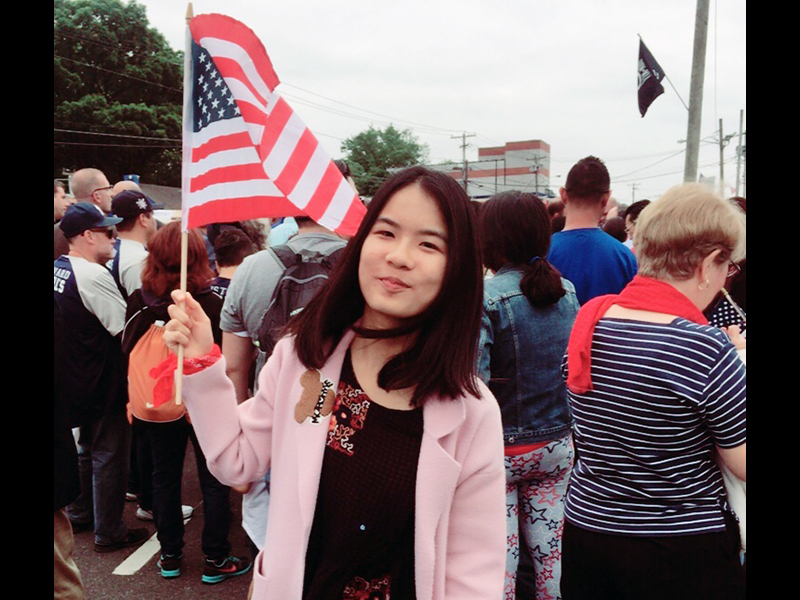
(593, 261)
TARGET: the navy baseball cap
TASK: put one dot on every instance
(131, 203)
(82, 216)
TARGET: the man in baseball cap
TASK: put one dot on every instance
(136, 229)
(94, 382)
(129, 204)
(89, 232)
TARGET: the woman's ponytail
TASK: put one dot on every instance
(541, 283)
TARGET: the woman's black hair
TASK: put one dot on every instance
(515, 229)
(441, 359)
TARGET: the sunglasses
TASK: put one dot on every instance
(111, 233)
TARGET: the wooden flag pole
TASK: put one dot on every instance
(184, 261)
(184, 255)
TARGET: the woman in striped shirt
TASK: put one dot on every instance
(656, 392)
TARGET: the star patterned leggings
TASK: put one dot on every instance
(536, 484)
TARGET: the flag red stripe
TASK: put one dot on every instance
(297, 163)
(221, 143)
(225, 28)
(241, 209)
(227, 174)
(251, 114)
(231, 69)
(280, 115)
(326, 189)
(352, 218)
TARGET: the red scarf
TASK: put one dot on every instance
(642, 293)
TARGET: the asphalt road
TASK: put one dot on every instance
(132, 573)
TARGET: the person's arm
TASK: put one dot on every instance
(735, 459)
(239, 353)
(102, 297)
(236, 438)
(725, 410)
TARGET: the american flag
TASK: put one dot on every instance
(246, 153)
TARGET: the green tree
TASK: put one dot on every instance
(373, 152)
(117, 97)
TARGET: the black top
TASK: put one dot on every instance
(362, 539)
(66, 485)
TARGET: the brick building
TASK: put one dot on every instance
(515, 166)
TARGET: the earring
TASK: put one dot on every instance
(701, 288)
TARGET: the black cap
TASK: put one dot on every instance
(82, 216)
(130, 203)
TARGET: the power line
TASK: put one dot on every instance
(107, 44)
(87, 145)
(433, 128)
(120, 135)
(652, 165)
(704, 165)
(118, 74)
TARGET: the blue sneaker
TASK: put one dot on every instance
(170, 565)
(217, 571)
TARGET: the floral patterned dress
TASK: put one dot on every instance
(362, 540)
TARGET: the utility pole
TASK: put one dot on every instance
(633, 192)
(696, 92)
(744, 166)
(464, 145)
(739, 152)
(723, 141)
(721, 161)
(535, 169)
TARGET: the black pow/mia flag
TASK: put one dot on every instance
(650, 76)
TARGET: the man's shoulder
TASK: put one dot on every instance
(593, 237)
(265, 267)
(616, 248)
(132, 245)
(85, 268)
(324, 243)
(94, 278)
(131, 252)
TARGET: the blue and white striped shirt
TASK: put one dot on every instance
(664, 395)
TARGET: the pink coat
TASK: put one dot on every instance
(460, 530)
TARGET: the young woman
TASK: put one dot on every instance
(384, 447)
(163, 427)
(528, 312)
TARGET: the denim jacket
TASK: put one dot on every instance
(520, 354)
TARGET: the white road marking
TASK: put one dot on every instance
(142, 556)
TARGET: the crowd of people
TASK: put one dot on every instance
(510, 399)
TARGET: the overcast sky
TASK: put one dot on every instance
(563, 71)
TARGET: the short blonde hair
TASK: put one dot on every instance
(676, 232)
